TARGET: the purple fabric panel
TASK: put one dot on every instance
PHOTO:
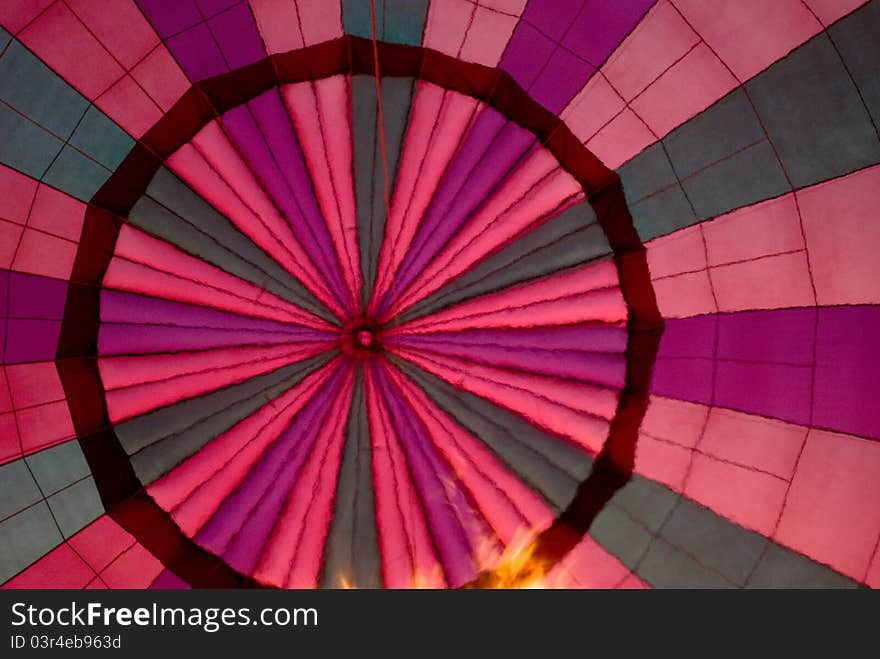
(774, 390)
(4, 292)
(31, 340)
(558, 358)
(236, 32)
(689, 337)
(602, 26)
(684, 364)
(35, 306)
(598, 368)
(33, 296)
(442, 508)
(466, 184)
(117, 339)
(847, 386)
(206, 48)
(241, 527)
(197, 53)
(683, 379)
(170, 16)
(211, 7)
(782, 336)
(526, 54)
(595, 338)
(122, 307)
(167, 580)
(563, 78)
(552, 17)
(292, 194)
(558, 44)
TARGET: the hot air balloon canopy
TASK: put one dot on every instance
(447, 293)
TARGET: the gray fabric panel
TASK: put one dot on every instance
(646, 501)
(548, 465)
(186, 220)
(58, 467)
(368, 169)
(813, 114)
(701, 142)
(77, 175)
(856, 38)
(352, 549)
(5, 38)
(647, 173)
(662, 213)
(715, 542)
(37, 92)
(782, 568)
(664, 566)
(24, 538)
(748, 177)
(76, 506)
(571, 238)
(621, 535)
(26, 147)
(642, 526)
(160, 440)
(97, 136)
(17, 488)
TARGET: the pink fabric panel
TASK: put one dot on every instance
(135, 569)
(33, 384)
(685, 295)
(447, 23)
(488, 36)
(127, 402)
(772, 282)
(409, 559)
(588, 565)
(576, 411)
(182, 281)
(60, 568)
(831, 512)
(749, 35)
(691, 85)
(327, 148)
(41, 254)
(843, 236)
(16, 195)
(593, 107)
(676, 253)
(533, 191)
(103, 19)
(195, 489)
(321, 20)
(509, 505)
(43, 426)
(80, 40)
(772, 227)
(437, 125)
(278, 24)
(755, 442)
(555, 299)
(675, 421)
(658, 41)
(161, 77)
(204, 172)
(622, 138)
(829, 11)
(15, 14)
(292, 556)
(747, 497)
